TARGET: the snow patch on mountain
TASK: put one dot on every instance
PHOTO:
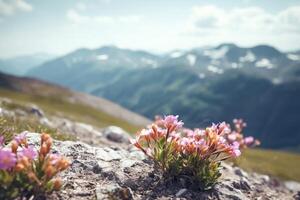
(234, 65)
(192, 59)
(216, 53)
(201, 75)
(215, 69)
(150, 62)
(249, 57)
(102, 57)
(293, 57)
(176, 54)
(264, 63)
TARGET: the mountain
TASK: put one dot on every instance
(60, 101)
(202, 85)
(22, 64)
(88, 70)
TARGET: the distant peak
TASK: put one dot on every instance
(229, 45)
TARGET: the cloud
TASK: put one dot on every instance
(75, 17)
(248, 20)
(11, 7)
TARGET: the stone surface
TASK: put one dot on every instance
(116, 134)
(117, 173)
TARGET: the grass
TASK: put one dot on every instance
(58, 105)
(279, 164)
(10, 126)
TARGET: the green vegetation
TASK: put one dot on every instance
(9, 126)
(279, 164)
(57, 105)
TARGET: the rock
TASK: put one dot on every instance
(181, 192)
(240, 172)
(34, 109)
(117, 173)
(112, 191)
(292, 185)
(116, 134)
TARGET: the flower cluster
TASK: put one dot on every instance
(236, 135)
(25, 171)
(182, 152)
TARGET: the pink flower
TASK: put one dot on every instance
(232, 137)
(28, 152)
(198, 134)
(223, 128)
(54, 158)
(234, 149)
(7, 159)
(248, 140)
(171, 121)
(21, 137)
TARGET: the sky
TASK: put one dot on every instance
(61, 26)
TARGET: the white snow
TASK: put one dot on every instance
(102, 57)
(293, 57)
(215, 62)
(148, 61)
(214, 69)
(264, 63)
(216, 53)
(202, 75)
(192, 59)
(234, 65)
(249, 57)
(276, 81)
(176, 54)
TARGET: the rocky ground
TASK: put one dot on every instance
(105, 166)
(119, 173)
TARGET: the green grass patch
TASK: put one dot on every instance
(58, 105)
(10, 126)
(283, 165)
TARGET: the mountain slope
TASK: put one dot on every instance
(22, 64)
(101, 66)
(203, 85)
(62, 101)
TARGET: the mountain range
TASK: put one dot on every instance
(260, 84)
(20, 65)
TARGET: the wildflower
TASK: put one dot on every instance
(199, 152)
(234, 149)
(21, 138)
(28, 152)
(248, 140)
(57, 183)
(7, 159)
(171, 122)
(14, 146)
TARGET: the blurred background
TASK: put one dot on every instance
(207, 61)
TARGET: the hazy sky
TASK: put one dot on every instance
(60, 26)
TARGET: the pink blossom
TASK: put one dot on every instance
(7, 159)
(54, 158)
(232, 137)
(248, 140)
(28, 152)
(172, 121)
(223, 128)
(234, 149)
(21, 137)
